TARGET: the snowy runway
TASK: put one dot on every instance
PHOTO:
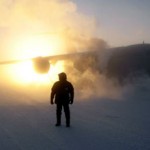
(101, 124)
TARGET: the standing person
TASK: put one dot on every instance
(63, 93)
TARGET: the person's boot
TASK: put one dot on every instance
(57, 124)
(68, 122)
(67, 125)
(58, 121)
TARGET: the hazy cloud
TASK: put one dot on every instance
(22, 18)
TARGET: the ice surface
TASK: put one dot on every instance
(96, 124)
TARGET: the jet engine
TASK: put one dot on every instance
(41, 65)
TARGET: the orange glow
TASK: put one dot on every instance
(31, 47)
(24, 73)
(38, 45)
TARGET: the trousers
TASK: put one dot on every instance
(66, 108)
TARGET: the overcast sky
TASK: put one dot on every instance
(119, 22)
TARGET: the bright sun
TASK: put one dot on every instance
(32, 47)
(24, 73)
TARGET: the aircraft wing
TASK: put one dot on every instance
(65, 56)
(49, 58)
(12, 61)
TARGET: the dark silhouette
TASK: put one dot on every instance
(63, 93)
(129, 62)
(122, 64)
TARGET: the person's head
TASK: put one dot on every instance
(62, 76)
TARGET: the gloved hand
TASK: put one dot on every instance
(51, 102)
(71, 102)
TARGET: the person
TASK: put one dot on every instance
(62, 94)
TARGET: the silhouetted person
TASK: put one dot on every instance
(63, 93)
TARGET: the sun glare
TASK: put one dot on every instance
(38, 45)
(24, 73)
(32, 47)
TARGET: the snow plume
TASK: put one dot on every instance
(138, 90)
(23, 18)
(86, 73)
(91, 84)
(76, 31)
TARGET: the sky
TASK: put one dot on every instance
(44, 27)
(119, 22)
(29, 29)
(57, 26)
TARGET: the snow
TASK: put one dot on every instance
(102, 123)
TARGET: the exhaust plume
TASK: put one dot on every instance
(59, 18)
(56, 17)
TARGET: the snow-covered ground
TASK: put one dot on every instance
(104, 123)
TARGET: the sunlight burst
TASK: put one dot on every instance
(24, 73)
(31, 47)
(38, 45)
